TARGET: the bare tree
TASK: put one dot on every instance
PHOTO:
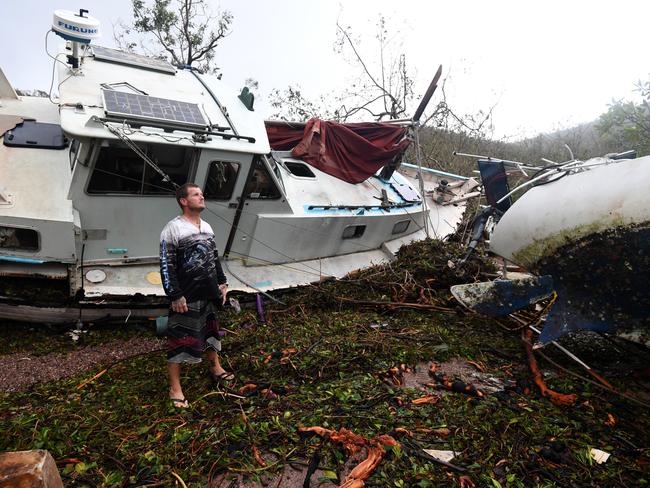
(185, 31)
(384, 86)
(380, 89)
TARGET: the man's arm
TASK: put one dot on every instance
(221, 277)
(169, 275)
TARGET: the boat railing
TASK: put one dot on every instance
(564, 169)
(553, 171)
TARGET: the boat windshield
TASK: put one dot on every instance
(118, 169)
(272, 163)
(261, 184)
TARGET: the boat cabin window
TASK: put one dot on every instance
(300, 169)
(17, 238)
(119, 169)
(222, 177)
(276, 169)
(261, 185)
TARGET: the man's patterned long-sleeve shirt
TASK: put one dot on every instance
(189, 261)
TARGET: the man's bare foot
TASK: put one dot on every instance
(180, 402)
(220, 375)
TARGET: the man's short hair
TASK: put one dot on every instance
(183, 190)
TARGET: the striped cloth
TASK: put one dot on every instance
(191, 333)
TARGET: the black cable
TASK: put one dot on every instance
(53, 67)
(546, 182)
(81, 290)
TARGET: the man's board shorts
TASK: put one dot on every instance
(191, 333)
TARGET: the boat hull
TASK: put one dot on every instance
(549, 216)
(591, 232)
(69, 315)
(132, 290)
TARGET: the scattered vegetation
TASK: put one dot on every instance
(322, 359)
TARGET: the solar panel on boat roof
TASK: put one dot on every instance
(121, 57)
(143, 107)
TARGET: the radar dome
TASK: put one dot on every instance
(75, 27)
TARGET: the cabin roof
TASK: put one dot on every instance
(85, 90)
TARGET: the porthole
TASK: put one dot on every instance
(353, 231)
(401, 226)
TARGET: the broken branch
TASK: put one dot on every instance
(559, 399)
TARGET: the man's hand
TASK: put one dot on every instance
(224, 291)
(180, 305)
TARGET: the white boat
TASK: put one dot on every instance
(587, 225)
(87, 185)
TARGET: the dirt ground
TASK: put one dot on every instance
(20, 371)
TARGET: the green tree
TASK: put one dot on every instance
(185, 31)
(626, 124)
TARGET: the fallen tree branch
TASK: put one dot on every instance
(559, 399)
(179, 479)
(84, 383)
(395, 304)
(353, 443)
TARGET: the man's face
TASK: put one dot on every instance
(194, 200)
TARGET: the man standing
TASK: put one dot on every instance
(196, 285)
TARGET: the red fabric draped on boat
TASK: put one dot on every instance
(352, 152)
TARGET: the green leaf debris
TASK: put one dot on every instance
(336, 356)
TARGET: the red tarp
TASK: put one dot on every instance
(351, 152)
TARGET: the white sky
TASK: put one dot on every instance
(545, 64)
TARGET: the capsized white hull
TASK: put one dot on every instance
(550, 216)
(590, 231)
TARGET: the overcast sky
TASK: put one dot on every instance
(544, 64)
